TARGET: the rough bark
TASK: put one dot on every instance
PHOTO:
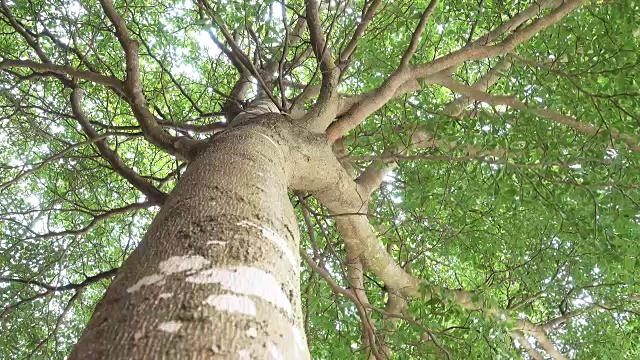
(217, 274)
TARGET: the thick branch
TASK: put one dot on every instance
(457, 106)
(324, 111)
(297, 109)
(510, 101)
(526, 345)
(374, 174)
(475, 51)
(343, 60)
(350, 199)
(133, 90)
(318, 42)
(109, 81)
(417, 33)
(233, 105)
(548, 346)
(367, 105)
(155, 196)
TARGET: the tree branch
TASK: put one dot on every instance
(374, 174)
(479, 50)
(71, 286)
(318, 118)
(237, 53)
(50, 289)
(548, 346)
(355, 277)
(374, 100)
(526, 345)
(348, 198)
(457, 106)
(50, 159)
(336, 288)
(96, 219)
(156, 196)
(417, 33)
(109, 81)
(344, 58)
(133, 89)
(585, 128)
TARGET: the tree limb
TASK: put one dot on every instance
(108, 81)
(133, 89)
(50, 289)
(374, 100)
(417, 33)
(155, 196)
(318, 118)
(50, 159)
(457, 106)
(548, 345)
(345, 56)
(526, 345)
(71, 286)
(96, 219)
(583, 127)
(238, 53)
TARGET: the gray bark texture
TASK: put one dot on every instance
(217, 274)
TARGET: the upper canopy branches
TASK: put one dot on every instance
(272, 49)
(485, 159)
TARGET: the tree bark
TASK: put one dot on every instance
(217, 274)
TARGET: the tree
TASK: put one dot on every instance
(335, 180)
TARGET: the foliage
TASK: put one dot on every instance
(525, 212)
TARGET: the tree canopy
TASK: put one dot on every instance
(509, 185)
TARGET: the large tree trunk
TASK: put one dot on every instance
(217, 274)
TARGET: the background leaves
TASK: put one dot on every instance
(531, 215)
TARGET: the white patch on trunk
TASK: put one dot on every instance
(252, 332)
(177, 264)
(217, 243)
(247, 281)
(233, 304)
(277, 240)
(273, 350)
(165, 295)
(297, 335)
(170, 326)
(147, 280)
(244, 354)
